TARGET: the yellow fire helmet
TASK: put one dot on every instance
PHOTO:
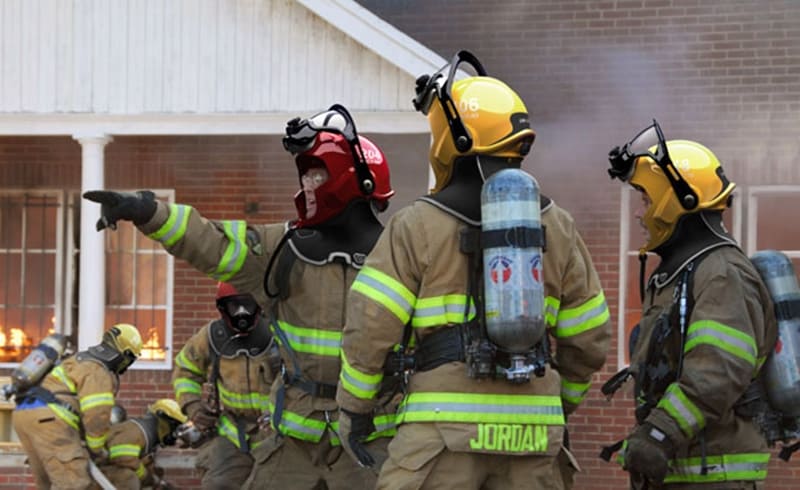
(478, 115)
(679, 177)
(125, 339)
(169, 417)
(169, 408)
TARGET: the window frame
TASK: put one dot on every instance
(63, 261)
(752, 214)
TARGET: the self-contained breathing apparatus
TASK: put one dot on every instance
(41, 360)
(506, 338)
(772, 400)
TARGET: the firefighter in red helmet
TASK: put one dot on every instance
(300, 273)
(221, 379)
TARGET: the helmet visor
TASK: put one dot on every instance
(301, 134)
(648, 143)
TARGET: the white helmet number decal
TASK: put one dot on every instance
(469, 107)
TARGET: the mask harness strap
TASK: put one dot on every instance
(285, 238)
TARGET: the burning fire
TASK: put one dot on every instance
(14, 345)
(152, 349)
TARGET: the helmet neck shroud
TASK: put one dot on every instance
(350, 234)
(695, 234)
(462, 194)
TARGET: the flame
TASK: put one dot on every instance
(14, 344)
(18, 338)
(152, 349)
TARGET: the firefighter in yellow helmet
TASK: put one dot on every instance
(706, 329)
(222, 378)
(455, 430)
(132, 446)
(64, 421)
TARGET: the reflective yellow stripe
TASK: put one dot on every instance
(727, 467)
(360, 385)
(442, 310)
(175, 227)
(67, 416)
(715, 334)
(312, 340)
(309, 429)
(486, 408)
(682, 410)
(182, 360)
(243, 401)
(96, 443)
(186, 386)
(574, 392)
(299, 427)
(574, 321)
(96, 400)
(551, 306)
(59, 373)
(236, 251)
(386, 291)
(123, 450)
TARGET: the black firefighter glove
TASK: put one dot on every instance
(354, 428)
(137, 206)
(648, 453)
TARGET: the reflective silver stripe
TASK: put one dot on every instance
(298, 340)
(304, 429)
(721, 468)
(177, 226)
(683, 410)
(366, 387)
(233, 259)
(722, 337)
(435, 407)
(583, 317)
(389, 292)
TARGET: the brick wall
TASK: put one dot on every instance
(593, 73)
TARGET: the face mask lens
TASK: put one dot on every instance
(240, 307)
(314, 178)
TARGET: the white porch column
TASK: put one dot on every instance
(92, 293)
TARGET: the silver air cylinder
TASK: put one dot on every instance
(38, 363)
(512, 260)
(782, 367)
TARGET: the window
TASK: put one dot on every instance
(38, 284)
(31, 266)
(631, 238)
(768, 209)
(139, 289)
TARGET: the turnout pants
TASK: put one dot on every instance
(222, 465)
(285, 462)
(57, 458)
(419, 459)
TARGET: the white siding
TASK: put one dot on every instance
(186, 56)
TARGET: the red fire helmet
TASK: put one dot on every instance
(356, 167)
